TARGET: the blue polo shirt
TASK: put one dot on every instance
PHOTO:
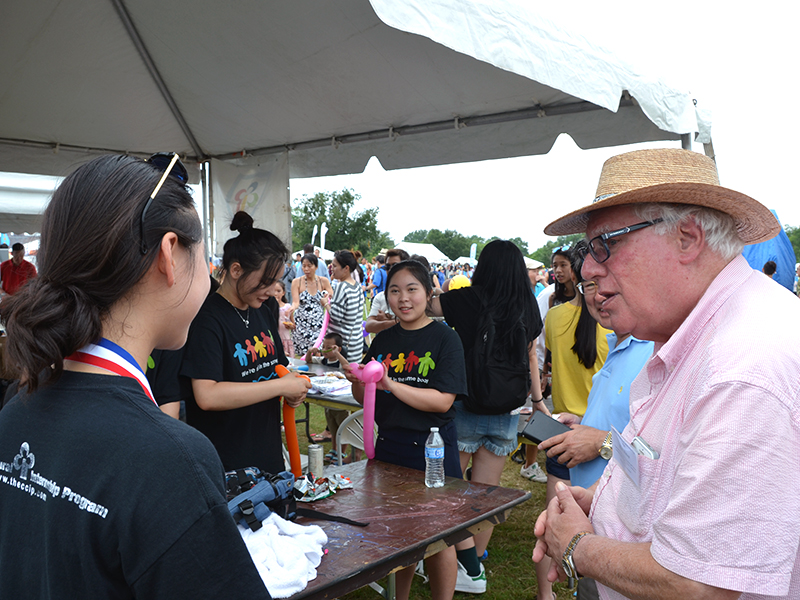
(608, 402)
(379, 279)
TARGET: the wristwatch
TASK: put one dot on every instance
(606, 450)
(566, 560)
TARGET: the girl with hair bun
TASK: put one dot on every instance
(87, 456)
(233, 348)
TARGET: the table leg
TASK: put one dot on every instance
(307, 421)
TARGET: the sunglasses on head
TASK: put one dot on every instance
(169, 163)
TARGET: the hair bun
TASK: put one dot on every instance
(241, 222)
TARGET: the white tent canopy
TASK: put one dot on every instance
(330, 83)
(429, 251)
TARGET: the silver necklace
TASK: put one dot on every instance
(239, 314)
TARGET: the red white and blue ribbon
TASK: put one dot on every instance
(111, 357)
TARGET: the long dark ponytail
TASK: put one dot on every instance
(585, 346)
(503, 277)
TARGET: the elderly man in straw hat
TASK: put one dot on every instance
(702, 497)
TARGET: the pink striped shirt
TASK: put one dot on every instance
(720, 402)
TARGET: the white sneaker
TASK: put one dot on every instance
(470, 585)
(534, 473)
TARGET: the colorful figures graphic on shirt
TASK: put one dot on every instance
(241, 354)
(399, 363)
(262, 348)
(269, 342)
(411, 361)
(407, 362)
(425, 363)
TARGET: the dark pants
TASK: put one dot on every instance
(587, 589)
(406, 448)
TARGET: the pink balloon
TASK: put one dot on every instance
(370, 374)
(325, 322)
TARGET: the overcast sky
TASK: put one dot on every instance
(738, 62)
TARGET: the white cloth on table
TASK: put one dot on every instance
(286, 554)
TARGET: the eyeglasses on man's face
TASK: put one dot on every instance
(587, 288)
(599, 246)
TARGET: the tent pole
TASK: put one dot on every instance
(709, 150)
(133, 33)
(686, 141)
(212, 248)
(204, 182)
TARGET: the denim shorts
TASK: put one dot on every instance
(556, 469)
(497, 432)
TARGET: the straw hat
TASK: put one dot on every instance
(674, 176)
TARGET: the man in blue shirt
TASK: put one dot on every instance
(587, 449)
(378, 283)
(608, 402)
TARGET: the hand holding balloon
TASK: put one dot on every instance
(369, 374)
(290, 428)
(325, 322)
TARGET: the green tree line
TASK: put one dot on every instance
(347, 229)
(358, 230)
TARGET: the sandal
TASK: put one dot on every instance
(332, 458)
(325, 436)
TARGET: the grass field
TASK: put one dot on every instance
(509, 568)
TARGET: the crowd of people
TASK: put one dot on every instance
(635, 337)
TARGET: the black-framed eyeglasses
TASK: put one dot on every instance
(171, 165)
(598, 246)
(587, 288)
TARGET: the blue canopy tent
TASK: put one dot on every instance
(778, 249)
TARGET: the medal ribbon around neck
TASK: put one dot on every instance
(111, 357)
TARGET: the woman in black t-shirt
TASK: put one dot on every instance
(101, 494)
(423, 373)
(232, 352)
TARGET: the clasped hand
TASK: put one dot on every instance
(565, 516)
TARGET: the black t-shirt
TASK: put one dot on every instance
(430, 357)
(163, 374)
(461, 308)
(104, 496)
(222, 348)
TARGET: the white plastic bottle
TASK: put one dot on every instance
(434, 459)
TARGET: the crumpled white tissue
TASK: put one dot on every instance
(286, 554)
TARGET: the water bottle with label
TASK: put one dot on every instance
(434, 459)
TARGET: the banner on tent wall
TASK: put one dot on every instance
(259, 187)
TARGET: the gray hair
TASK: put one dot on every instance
(722, 236)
